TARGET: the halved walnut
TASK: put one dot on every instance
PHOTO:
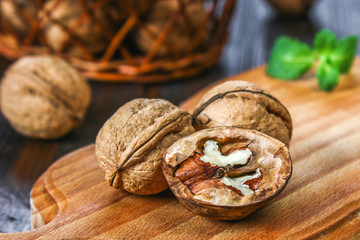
(228, 172)
(212, 169)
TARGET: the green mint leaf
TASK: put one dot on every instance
(327, 76)
(289, 59)
(343, 55)
(325, 41)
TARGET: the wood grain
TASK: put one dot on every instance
(321, 201)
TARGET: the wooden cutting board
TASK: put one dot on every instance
(322, 199)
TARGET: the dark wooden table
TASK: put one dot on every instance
(254, 28)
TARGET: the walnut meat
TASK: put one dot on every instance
(226, 173)
(181, 34)
(131, 143)
(44, 97)
(242, 104)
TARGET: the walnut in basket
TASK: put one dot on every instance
(131, 143)
(16, 15)
(44, 97)
(81, 30)
(190, 23)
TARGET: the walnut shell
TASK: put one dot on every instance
(44, 97)
(181, 34)
(92, 33)
(242, 104)
(268, 154)
(131, 143)
(16, 13)
(294, 7)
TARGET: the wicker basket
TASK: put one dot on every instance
(121, 59)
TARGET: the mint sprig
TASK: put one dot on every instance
(327, 76)
(290, 58)
(325, 41)
(343, 54)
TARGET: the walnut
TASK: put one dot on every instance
(92, 28)
(16, 14)
(131, 143)
(190, 22)
(294, 7)
(43, 96)
(242, 104)
(226, 173)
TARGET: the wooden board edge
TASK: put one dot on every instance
(36, 220)
(41, 216)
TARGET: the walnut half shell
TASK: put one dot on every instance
(242, 104)
(234, 189)
(131, 143)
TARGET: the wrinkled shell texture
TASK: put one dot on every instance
(131, 143)
(93, 34)
(181, 33)
(271, 155)
(11, 17)
(44, 97)
(242, 104)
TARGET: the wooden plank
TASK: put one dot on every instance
(322, 199)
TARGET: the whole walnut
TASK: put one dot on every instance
(91, 29)
(293, 7)
(43, 96)
(242, 104)
(181, 34)
(16, 14)
(130, 145)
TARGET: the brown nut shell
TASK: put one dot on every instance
(182, 33)
(15, 14)
(44, 97)
(68, 26)
(291, 8)
(243, 104)
(269, 155)
(131, 143)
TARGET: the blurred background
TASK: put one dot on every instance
(253, 29)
